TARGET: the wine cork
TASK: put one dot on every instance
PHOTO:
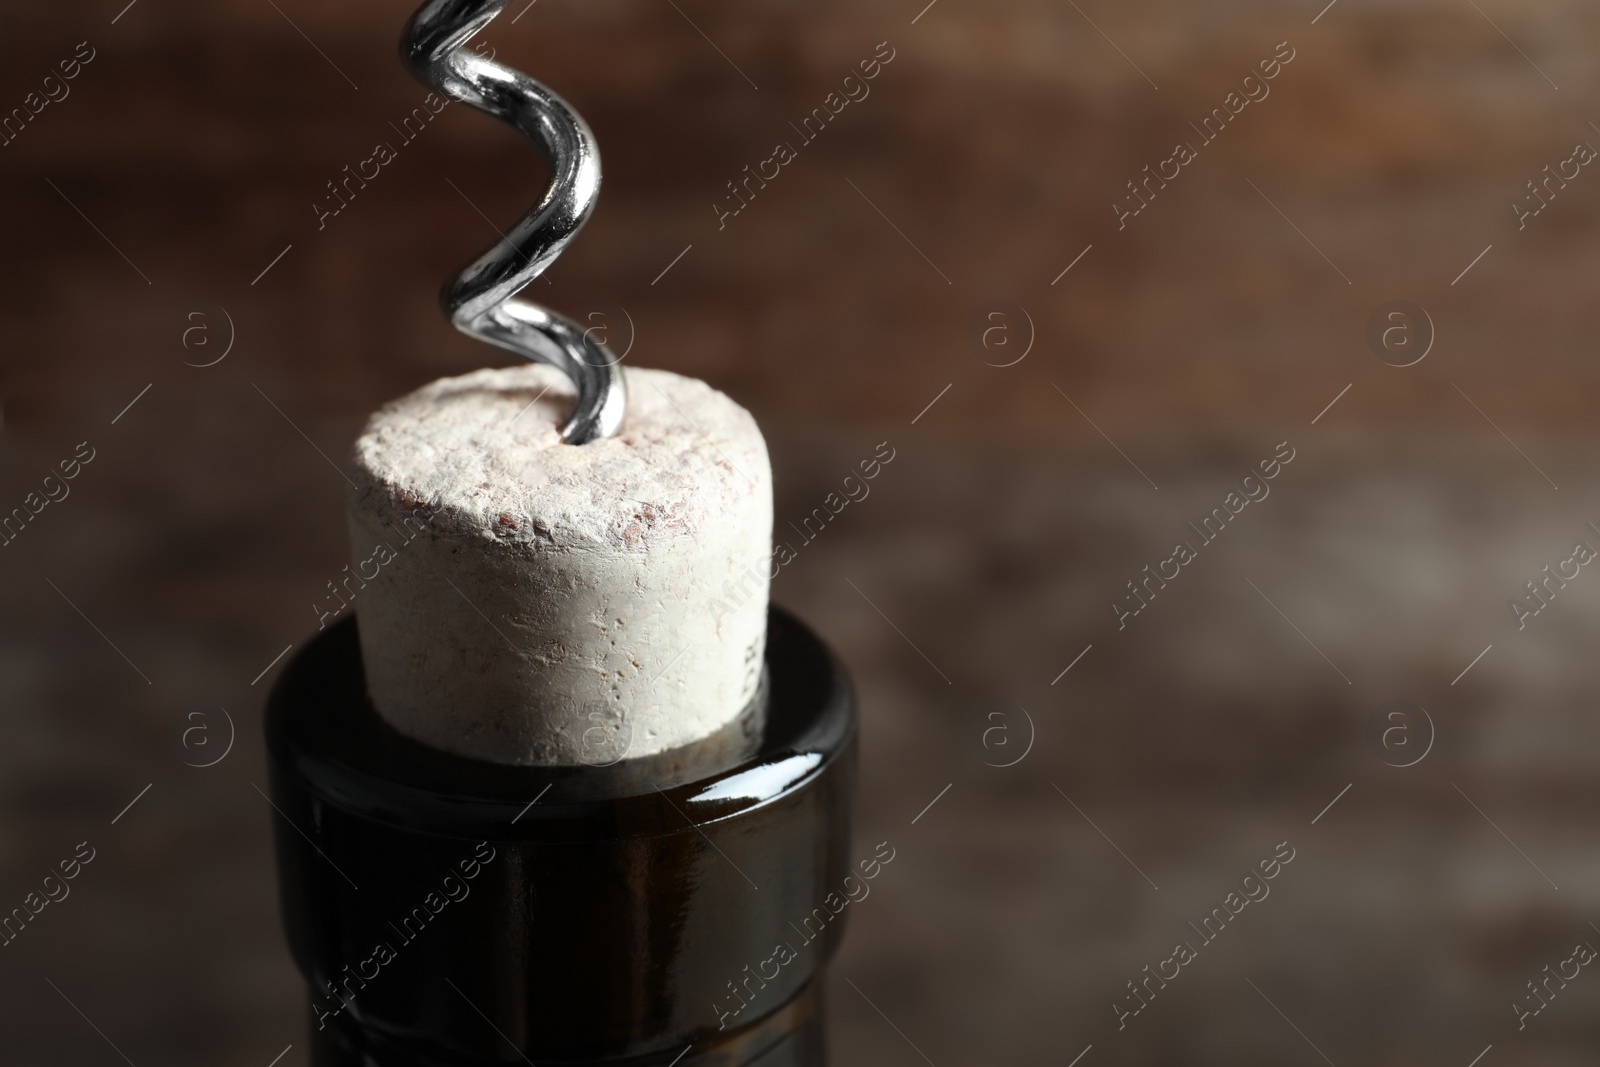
(539, 603)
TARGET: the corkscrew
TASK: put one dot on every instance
(481, 300)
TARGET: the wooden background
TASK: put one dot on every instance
(849, 295)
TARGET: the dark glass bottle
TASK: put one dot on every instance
(448, 912)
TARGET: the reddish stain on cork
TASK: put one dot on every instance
(646, 518)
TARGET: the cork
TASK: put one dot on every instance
(529, 602)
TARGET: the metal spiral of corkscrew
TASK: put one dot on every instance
(481, 300)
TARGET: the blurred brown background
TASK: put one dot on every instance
(836, 306)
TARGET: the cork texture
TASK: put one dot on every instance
(531, 602)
